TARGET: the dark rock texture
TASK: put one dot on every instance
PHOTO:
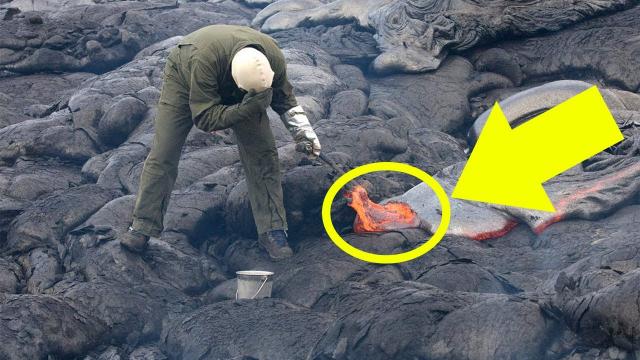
(590, 190)
(79, 85)
(585, 51)
(426, 323)
(99, 37)
(349, 43)
(414, 35)
(31, 96)
(278, 330)
(436, 100)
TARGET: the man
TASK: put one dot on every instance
(220, 77)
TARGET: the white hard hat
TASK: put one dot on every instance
(251, 70)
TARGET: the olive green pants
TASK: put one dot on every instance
(173, 123)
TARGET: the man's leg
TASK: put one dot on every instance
(160, 169)
(259, 157)
(172, 125)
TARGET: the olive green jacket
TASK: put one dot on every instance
(208, 72)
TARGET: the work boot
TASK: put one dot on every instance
(134, 241)
(275, 242)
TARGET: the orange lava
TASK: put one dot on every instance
(564, 203)
(372, 217)
(487, 235)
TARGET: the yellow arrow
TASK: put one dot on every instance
(508, 166)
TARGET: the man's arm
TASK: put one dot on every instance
(283, 97)
(292, 115)
(207, 111)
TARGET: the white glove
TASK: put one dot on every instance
(296, 121)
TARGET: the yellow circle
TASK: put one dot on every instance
(380, 258)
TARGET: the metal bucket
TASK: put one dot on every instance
(254, 284)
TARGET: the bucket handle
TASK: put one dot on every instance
(257, 292)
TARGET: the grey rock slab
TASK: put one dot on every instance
(408, 319)
(47, 220)
(34, 96)
(415, 35)
(10, 276)
(36, 325)
(348, 43)
(120, 119)
(32, 177)
(349, 104)
(267, 328)
(111, 33)
(437, 100)
(352, 76)
(583, 50)
(18, 139)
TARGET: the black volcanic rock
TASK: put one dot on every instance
(79, 85)
(24, 97)
(101, 37)
(269, 329)
(438, 100)
(49, 219)
(586, 50)
(415, 35)
(411, 320)
(120, 119)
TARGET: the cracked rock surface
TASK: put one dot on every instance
(407, 81)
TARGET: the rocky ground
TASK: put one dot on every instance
(79, 82)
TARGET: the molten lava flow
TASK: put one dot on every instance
(494, 234)
(372, 217)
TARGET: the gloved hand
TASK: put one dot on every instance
(309, 145)
(297, 123)
(254, 102)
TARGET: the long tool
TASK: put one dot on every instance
(332, 164)
(308, 148)
(338, 169)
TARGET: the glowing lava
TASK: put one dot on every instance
(372, 217)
